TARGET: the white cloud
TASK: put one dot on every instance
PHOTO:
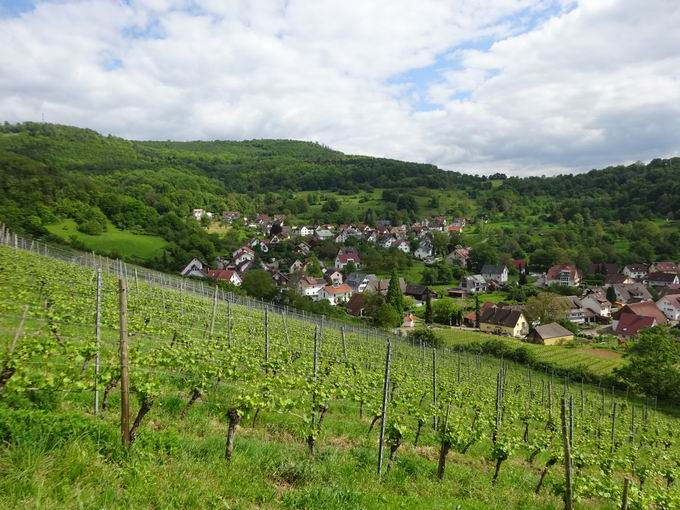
(562, 87)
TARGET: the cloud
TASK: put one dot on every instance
(523, 86)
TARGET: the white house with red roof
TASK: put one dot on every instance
(243, 254)
(345, 256)
(225, 275)
(336, 294)
(564, 274)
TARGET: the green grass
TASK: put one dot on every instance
(113, 240)
(599, 362)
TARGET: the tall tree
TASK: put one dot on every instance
(546, 307)
(394, 295)
(653, 363)
(428, 309)
(611, 294)
(477, 311)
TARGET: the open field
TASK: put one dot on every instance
(600, 362)
(113, 240)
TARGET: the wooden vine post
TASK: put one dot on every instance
(344, 343)
(98, 334)
(266, 334)
(434, 389)
(212, 315)
(568, 490)
(383, 419)
(124, 379)
(626, 487)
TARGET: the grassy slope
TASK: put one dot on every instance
(125, 243)
(62, 457)
(597, 361)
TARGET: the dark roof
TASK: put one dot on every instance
(630, 324)
(418, 290)
(500, 317)
(356, 304)
(493, 268)
(661, 277)
(552, 330)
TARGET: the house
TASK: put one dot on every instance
(355, 305)
(459, 255)
(471, 318)
(225, 275)
(401, 245)
(311, 287)
(658, 279)
(195, 268)
(631, 293)
(630, 324)
(459, 222)
(495, 272)
(198, 214)
(409, 321)
(457, 293)
(643, 309)
(336, 294)
(550, 334)
(424, 250)
(635, 271)
(670, 306)
(323, 233)
(617, 279)
(420, 293)
(597, 304)
(280, 279)
(303, 248)
(455, 229)
(332, 276)
(503, 321)
(306, 231)
(359, 281)
(242, 255)
(381, 286)
(563, 274)
(663, 267)
(576, 312)
(296, 266)
(474, 284)
(230, 216)
(347, 255)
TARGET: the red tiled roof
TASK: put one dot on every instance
(630, 324)
(340, 289)
(221, 274)
(554, 271)
(643, 309)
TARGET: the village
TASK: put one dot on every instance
(602, 299)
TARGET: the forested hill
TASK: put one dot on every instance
(49, 173)
(624, 193)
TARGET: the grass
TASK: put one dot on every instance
(599, 362)
(78, 468)
(113, 240)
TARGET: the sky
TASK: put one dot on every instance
(526, 87)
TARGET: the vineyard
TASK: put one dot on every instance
(236, 406)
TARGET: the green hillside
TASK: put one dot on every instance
(51, 173)
(196, 364)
